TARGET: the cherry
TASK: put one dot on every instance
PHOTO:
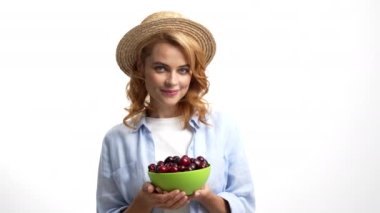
(192, 166)
(152, 167)
(185, 160)
(176, 159)
(200, 158)
(197, 163)
(203, 164)
(160, 163)
(182, 168)
(173, 169)
(162, 169)
(168, 159)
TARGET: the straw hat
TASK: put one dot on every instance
(157, 23)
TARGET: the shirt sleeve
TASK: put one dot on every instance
(239, 189)
(108, 196)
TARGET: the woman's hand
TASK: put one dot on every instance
(211, 201)
(153, 197)
(202, 194)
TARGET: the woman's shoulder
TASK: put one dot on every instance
(119, 130)
(118, 127)
(118, 136)
(129, 126)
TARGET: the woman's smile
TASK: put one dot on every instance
(169, 92)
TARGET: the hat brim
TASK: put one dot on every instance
(127, 47)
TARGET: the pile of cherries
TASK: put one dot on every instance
(178, 164)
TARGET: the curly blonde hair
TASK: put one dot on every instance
(192, 103)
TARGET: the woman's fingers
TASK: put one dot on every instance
(179, 200)
(163, 199)
(148, 187)
(172, 200)
(159, 190)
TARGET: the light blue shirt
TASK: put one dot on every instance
(126, 154)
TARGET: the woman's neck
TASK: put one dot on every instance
(162, 113)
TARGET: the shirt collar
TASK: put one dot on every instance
(194, 122)
(142, 123)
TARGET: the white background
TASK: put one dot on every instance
(301, 76)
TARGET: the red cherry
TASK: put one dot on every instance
(201, 158)
(176, 159)
(182, 168)
(162, 169)
(203, 164)
(160, 163)
(192, 166)
(152, 167)
(169, 159)
(185, 160)
(173, 169)
(197, 163)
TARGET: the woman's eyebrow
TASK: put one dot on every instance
(157, 63)
(184, 66)
(163, 64)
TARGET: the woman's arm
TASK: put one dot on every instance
(237, 187)
(239, 190)
(108, 196)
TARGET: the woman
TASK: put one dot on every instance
(166, 58)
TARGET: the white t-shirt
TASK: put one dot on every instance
(170, 139)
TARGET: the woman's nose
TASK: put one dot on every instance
(172, 79)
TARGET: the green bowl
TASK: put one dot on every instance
(188, 182)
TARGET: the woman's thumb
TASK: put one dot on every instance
(147, 187)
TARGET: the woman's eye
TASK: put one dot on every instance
(159, 68)
(184, 70)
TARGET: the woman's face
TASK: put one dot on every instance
(167, 78)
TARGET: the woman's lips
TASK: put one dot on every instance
(168, 92)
